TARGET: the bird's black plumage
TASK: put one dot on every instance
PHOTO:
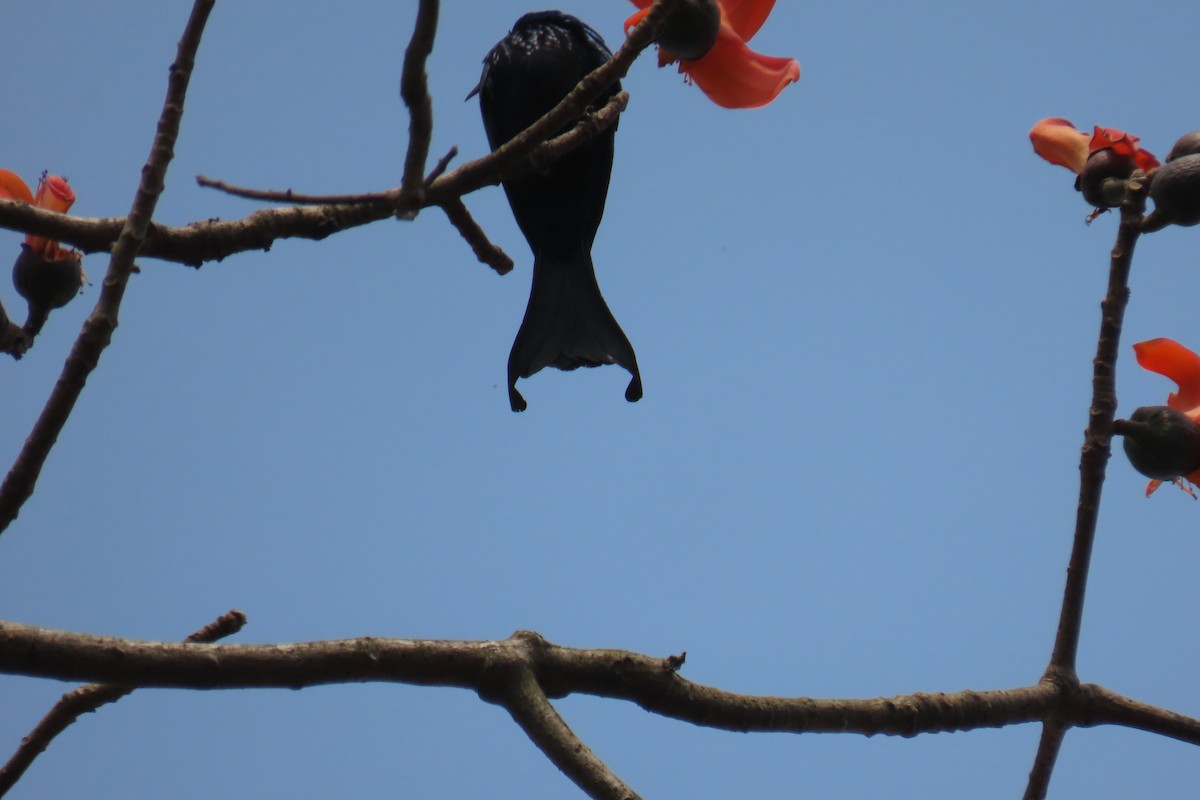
(567, 324)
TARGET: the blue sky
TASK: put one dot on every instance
(865, 317)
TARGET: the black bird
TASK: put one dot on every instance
(567, 324)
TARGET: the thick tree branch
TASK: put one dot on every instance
(519, 692)
(500, 672)
(89, 698)
(1112, 708)
(98, 329)
(649, 682)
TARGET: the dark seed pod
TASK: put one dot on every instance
(1175, 191)
(1161, 443)
(1188, 145)
(46, 284)
(1102, 180)
(691, 30)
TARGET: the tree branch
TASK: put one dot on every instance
(1093, 460)
(414, 91)
(1053, 733)
(519, 692)
(213, 240)
(1098, 436)
(501, 671)
(1112, 708)
(468, 228)
(651, 683)
(89, 698)
(98, 329)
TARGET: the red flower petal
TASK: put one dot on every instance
(1168, 357)
(734, 76)
(1185, 483)
(1122, 143)
(1056, 140)
(53, 194)
(731, 74)
(13, 188)
(637, 16)
(745, 17)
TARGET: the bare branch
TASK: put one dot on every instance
(1098, 436)
(414, 91)
(469, 229)
(1093, 462)
(650, 682)
(97, 331)
(289, 196)
(13, 339)
(1053, 733)
(1112, 708)
(520, 693)
(524, 670)
(324, 215)
(213, 240)
(441, 165)
(89, 698)
(1089, 705)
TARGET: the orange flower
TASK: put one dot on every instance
(730, 73)
(45, 273)
(1168, 357)
(53, 194)
(1056, 140)
(1103, 162)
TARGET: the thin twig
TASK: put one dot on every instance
(441, 165)
(89, 698)
(469, 229)
(588, 127)
(414, 91)
(300, 199)
(98, 329)
(296, 198)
